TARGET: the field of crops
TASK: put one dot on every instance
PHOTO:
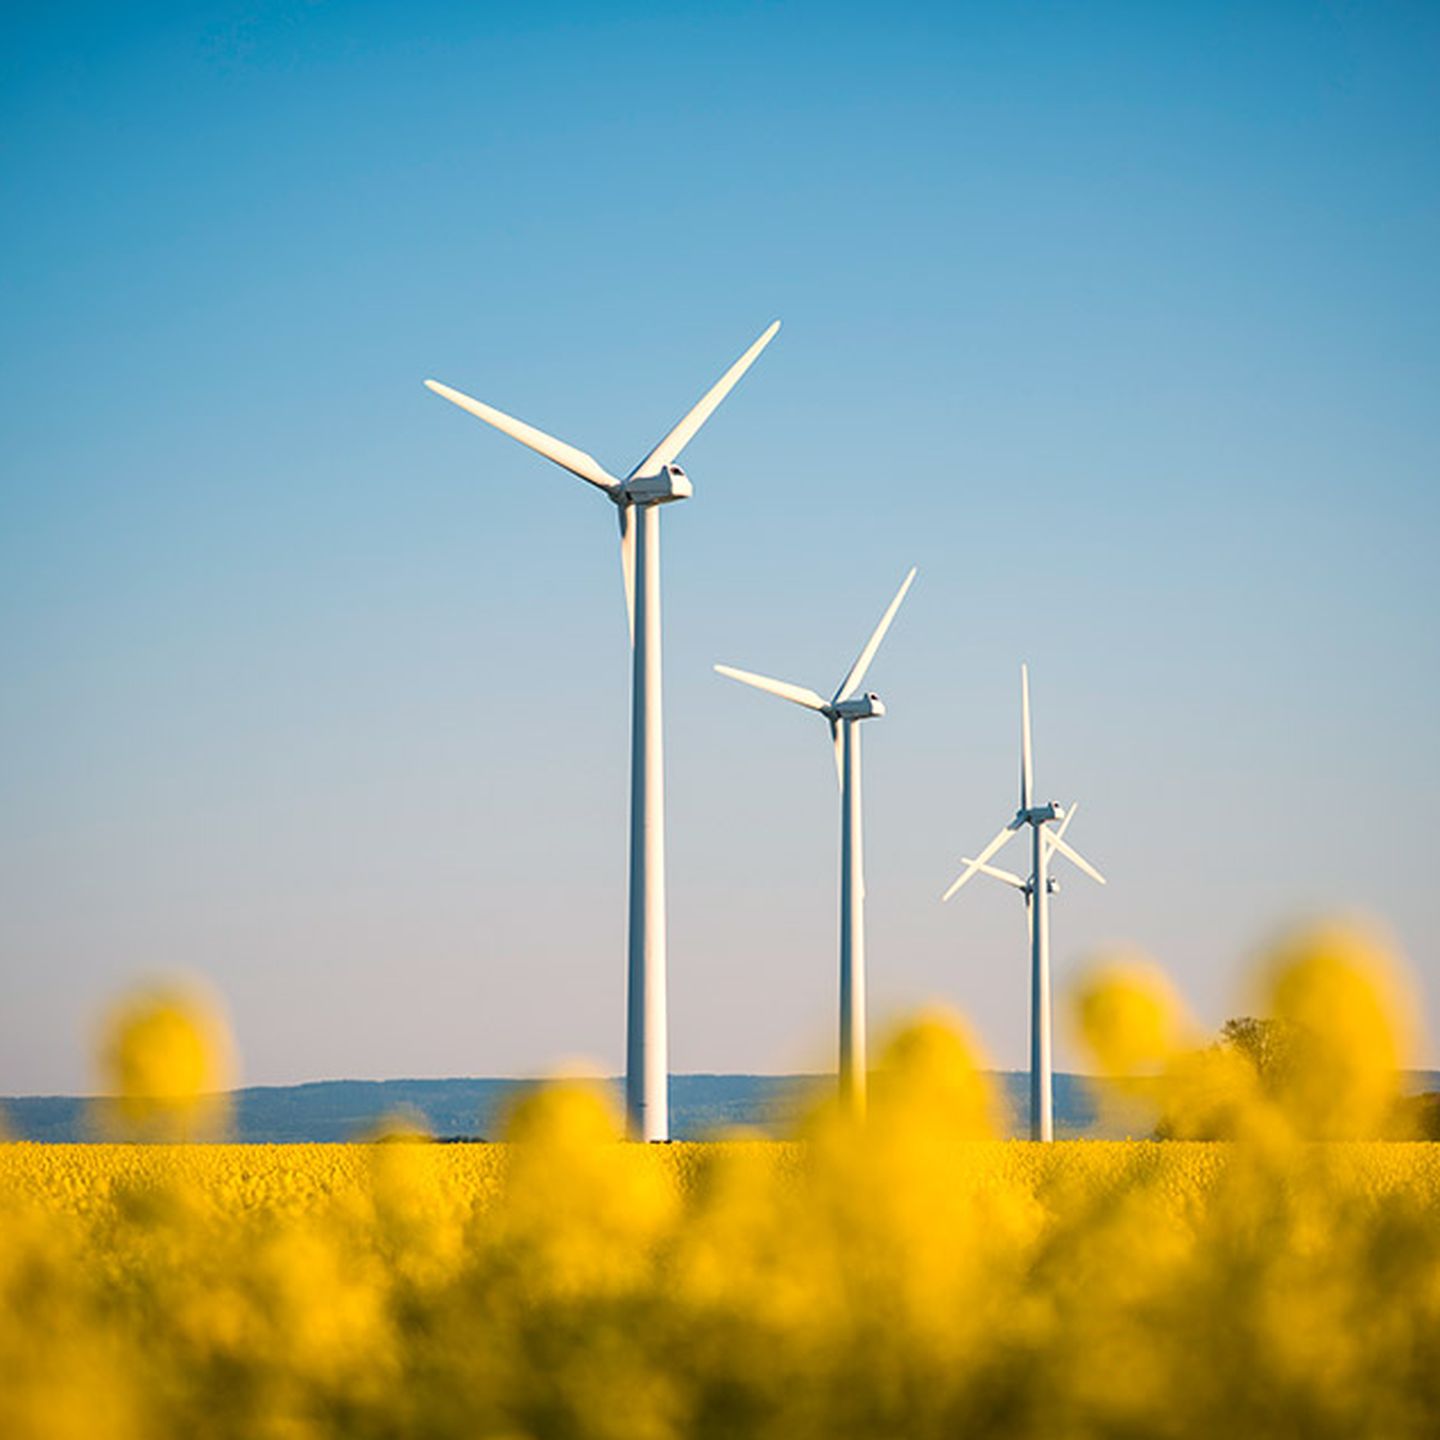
(902, 1276)
(569, 1285)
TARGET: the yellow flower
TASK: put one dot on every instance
(165, 1063)
(1336, 988)
(1128, 1017)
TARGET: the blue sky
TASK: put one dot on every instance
(1119, 321)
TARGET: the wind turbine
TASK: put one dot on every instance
(657, 480)
(844, 710)
(1036, 889)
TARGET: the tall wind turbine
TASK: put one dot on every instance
(657, 480)
(1036, 889)
(844, 710)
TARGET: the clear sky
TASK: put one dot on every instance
(1119, 320)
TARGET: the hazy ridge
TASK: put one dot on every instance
(700, 1106)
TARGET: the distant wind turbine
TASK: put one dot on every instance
(1037, 889)
(845, 709)
(657, 480)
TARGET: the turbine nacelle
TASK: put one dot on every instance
(668, 483)
(868, 706)
(1040, 814)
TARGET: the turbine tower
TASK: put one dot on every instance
(1036, 889)
(657, 480)
(845, 710)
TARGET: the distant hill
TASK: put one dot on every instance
(334, 1110)
(700, 1106)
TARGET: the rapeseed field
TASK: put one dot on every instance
(904, 1276)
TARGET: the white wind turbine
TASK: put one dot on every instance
(845, 710)
(655, 481)
(1036, 889)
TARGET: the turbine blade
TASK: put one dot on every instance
(627, 562)
(851, 683)
(797, 694)
(971, 866)
(1064, 825)
(1027, 775)
(1075, 857)
(837, 740)
(577, 462)
(995, 873)
(684, 431)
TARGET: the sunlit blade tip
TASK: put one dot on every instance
(577, 462)
(852, 682)
(796, 694)
(684, 432)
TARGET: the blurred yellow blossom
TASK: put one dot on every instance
(166, 1063)
(1337, 990)
(1128, 1016)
